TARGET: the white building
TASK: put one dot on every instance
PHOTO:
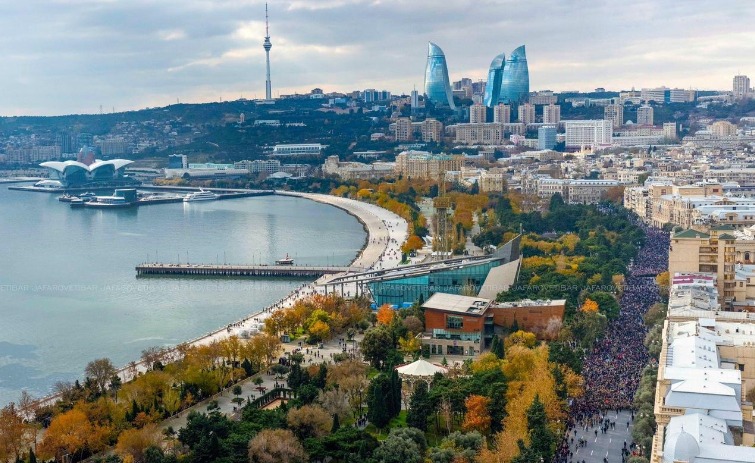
(527, 113)
(301, 149)
(741, 87)
(593, 133)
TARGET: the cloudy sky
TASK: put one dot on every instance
(71, 56)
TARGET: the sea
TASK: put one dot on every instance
(69, 292)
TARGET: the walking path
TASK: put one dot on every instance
(386, 232)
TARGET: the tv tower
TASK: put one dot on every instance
(267, 46)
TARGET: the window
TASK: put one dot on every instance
(454, 323)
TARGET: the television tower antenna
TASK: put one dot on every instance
(267, 46)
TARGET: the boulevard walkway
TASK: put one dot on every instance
(600, 447)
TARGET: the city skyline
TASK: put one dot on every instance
(124, 56)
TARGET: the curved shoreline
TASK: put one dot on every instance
(385, 232)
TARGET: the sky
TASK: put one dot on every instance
(75, 56)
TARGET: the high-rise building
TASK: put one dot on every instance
(515, 83)
(371, 95)
(403, 130)
(645, 115)
(546, 137)
(493, 87)
(477, 113)
(267, 46)
(741, 87)
(615, 114)
(502, 113)
(527, 113)
(432, 130)
(437, 85)
(588, 133)
(415, 99)
(551, 114)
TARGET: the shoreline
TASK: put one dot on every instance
(385, 232)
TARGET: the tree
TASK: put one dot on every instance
(497, 348)
(72, 433)
(413, 324)
(542, 440)
(413, 243)
(309, 421)
(420, 407)
(385, 314)
(477, 417)
(376, 345)
(409, 345)
(101, 371)
(398, 449)
(663, 282)
(276, 446)
(134, 442)
(589, 306)
(15, 434)
(377, 408)
(524, 338)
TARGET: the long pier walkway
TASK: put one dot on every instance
(303, 271)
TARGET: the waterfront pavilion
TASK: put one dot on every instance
(484, 276)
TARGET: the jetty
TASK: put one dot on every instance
(225, 270)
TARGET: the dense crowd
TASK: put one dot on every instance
(613, 368)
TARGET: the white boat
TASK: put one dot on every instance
(201, 195)
(285, 261)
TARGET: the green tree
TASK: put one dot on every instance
(378, 410)
(542, 440)
(497, 347)
(376, 345)
(420, 407)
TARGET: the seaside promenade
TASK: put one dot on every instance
(386, 232)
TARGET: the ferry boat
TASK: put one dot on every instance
(285, 261)
(201, 195)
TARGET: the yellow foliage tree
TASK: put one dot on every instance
(521, 337)
(385, 314)
(485, 362)
(72, 433)
(477, 417)
(133, 442)
(409, 345)
(413, 243)
(320, 330)
(589, 306)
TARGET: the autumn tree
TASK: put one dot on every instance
(72, 433)
(413, 243)
(100, 371)
(385, 314)
(477, 417)
(134, 442)
(520, 337)
(276, 446)
(589, 306)
(15, 434)
(409, 345)
(413, 324)
(309, 421)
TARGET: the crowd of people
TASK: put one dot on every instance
(612, 369)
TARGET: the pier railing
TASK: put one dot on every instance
(240, 270)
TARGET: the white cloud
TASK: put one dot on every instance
(130, 54)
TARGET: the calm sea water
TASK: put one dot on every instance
(69, 292)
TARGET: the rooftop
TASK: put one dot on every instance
(457, 304)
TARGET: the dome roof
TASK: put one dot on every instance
(681, 446)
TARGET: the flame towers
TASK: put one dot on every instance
(437, 84)
(515, 84)
(267, 46)
(493, 87)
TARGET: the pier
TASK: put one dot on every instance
(225, 270)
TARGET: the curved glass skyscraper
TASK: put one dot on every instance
(515, 84)
(493, 87)
(437, 85)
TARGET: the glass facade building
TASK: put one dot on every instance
(463, 279)
(493, 87)
(515, 84)
(437, 84)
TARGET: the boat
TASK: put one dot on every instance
(285, 261)
(122, 197)
(87, 196)
(77, 202)
(201, 195)
(66, 198)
